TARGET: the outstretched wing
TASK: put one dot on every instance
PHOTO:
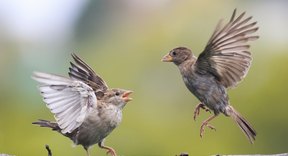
(82, 72)
(69, 100)
(227, 54)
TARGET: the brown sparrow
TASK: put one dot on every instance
(85, 109)
(224, 62)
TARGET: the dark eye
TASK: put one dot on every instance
(117, 93)
(174, 53)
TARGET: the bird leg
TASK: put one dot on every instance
(87, 150)
(205, 123)
(197, 110)
(110, 150)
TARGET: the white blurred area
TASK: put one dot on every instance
(33, 29)
(42, 22)
(272, 19)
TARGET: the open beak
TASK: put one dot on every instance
(167, 58)
(126, 97)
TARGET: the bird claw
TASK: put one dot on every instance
(197, 110)
(196, 113)
(211, 127)
(111, 152)
(202, 129)
(207, 110)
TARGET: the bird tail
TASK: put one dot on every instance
(244, 125)
(45, 123)
(54, 126)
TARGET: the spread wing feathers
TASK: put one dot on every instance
(81, 71)
(68, 100)
(227, 53)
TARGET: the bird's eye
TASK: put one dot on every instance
(117, 93)
(174, 53)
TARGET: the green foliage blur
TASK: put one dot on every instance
(123, 41)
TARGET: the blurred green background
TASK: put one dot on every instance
(123, 41)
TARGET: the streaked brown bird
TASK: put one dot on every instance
(224, 62)
(85, 109)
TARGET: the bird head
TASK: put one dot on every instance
(117, 97)
(178, 55)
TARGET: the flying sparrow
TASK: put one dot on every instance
(85, 109)
(224, 62)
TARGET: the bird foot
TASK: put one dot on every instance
(202, 129)
(111, 151)
(197, 110)
(205, 124)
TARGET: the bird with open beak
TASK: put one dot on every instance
(224, 62)
(85, 109)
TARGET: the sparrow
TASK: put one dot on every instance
(224, 62)
(85, 109)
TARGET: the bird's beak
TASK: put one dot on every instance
(126, 97)
(167, 58)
